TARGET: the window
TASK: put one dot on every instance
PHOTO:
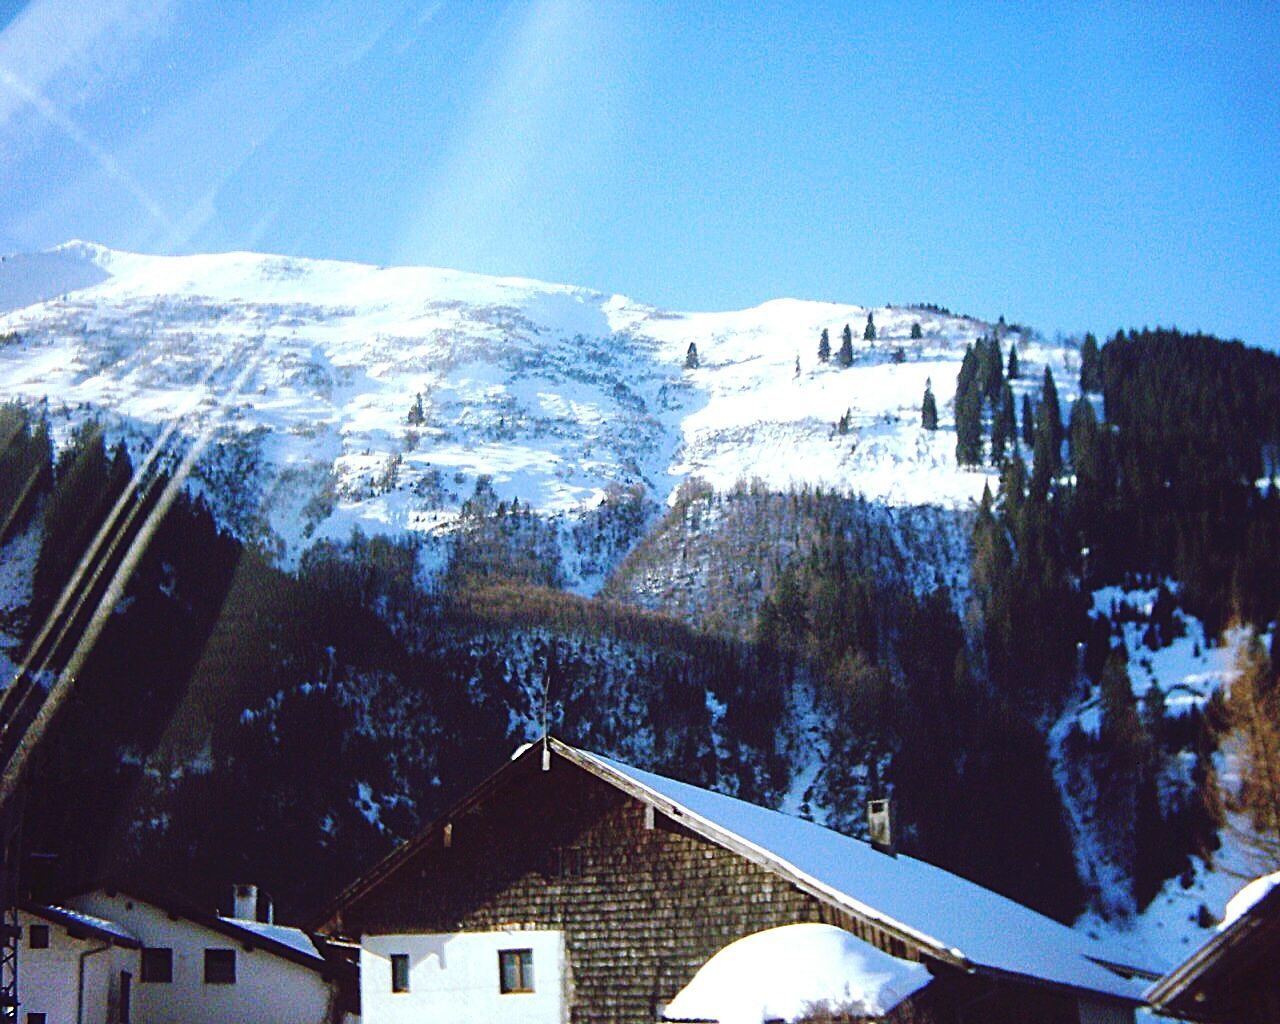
(399, 972)
(568, 862)
(157, 965)
(219, 966)
(126, 995)
(515, 970)
(36, 1018)
(38, 936)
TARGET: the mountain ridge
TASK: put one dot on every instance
(381, 395)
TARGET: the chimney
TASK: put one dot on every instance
(248, 904)
(880, 826)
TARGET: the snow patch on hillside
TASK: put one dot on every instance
(17, 571)
(558, 393)
(1188, 670)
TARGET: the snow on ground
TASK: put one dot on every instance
(1188, 670)
(555, 392)
(17, 571)
(781, 973)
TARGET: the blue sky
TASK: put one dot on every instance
(1071, 166)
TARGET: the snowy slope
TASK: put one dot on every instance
(555, 391)
(1187, 670)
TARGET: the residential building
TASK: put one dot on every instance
(571, 887)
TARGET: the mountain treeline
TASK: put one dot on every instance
(236, 721)
(1175, 481)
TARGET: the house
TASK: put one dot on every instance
(75, 968)
(569, 886)
(1234, 976)
(124, 957)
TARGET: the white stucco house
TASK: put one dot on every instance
(118, 957)
(75, 968)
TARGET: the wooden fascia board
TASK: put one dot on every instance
(1174, 985)
(76, 928)
(246, 937)
(403, 853)
(1059, 986)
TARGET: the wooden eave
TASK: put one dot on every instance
(1178, 991)
(925, 946)
(246, 938)
(76, 926)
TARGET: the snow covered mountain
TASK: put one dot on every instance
(353, 395)
(342, 396)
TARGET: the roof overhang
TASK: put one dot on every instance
(926, 945)
(1179, 992)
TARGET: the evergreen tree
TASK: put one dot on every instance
(869, 332)
(1013, 371)
(1004, 426)
(26, 463)
(969, 427)
(970, 369)
(982, 350)
(824, 346)
(1090, 492)
(916, 332)
(1053, 414)
(968, 405)
(691, 357)
(994, 379)
(1090, 366)
(929, 408)
(1046, 463)
(846, 347)
(416, 415)
(1028, 422)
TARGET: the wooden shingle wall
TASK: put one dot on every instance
(641, 908)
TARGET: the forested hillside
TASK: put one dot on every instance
(803, 647)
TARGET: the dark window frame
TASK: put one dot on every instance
(568, 862)
(156, 965)
(521, 980)
(126, 997)
(219, 966)
(399, 973)
(41, 930)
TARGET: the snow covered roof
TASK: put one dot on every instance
(1247, 898)
(76, 921)
(292, 944)
(1244, 942)
(293, 938)
(954, 919)
(777, 974)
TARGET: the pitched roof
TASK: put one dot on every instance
(77, 923)
(292, 944)
(945, 916)
(1244, 941)
(957, 919)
